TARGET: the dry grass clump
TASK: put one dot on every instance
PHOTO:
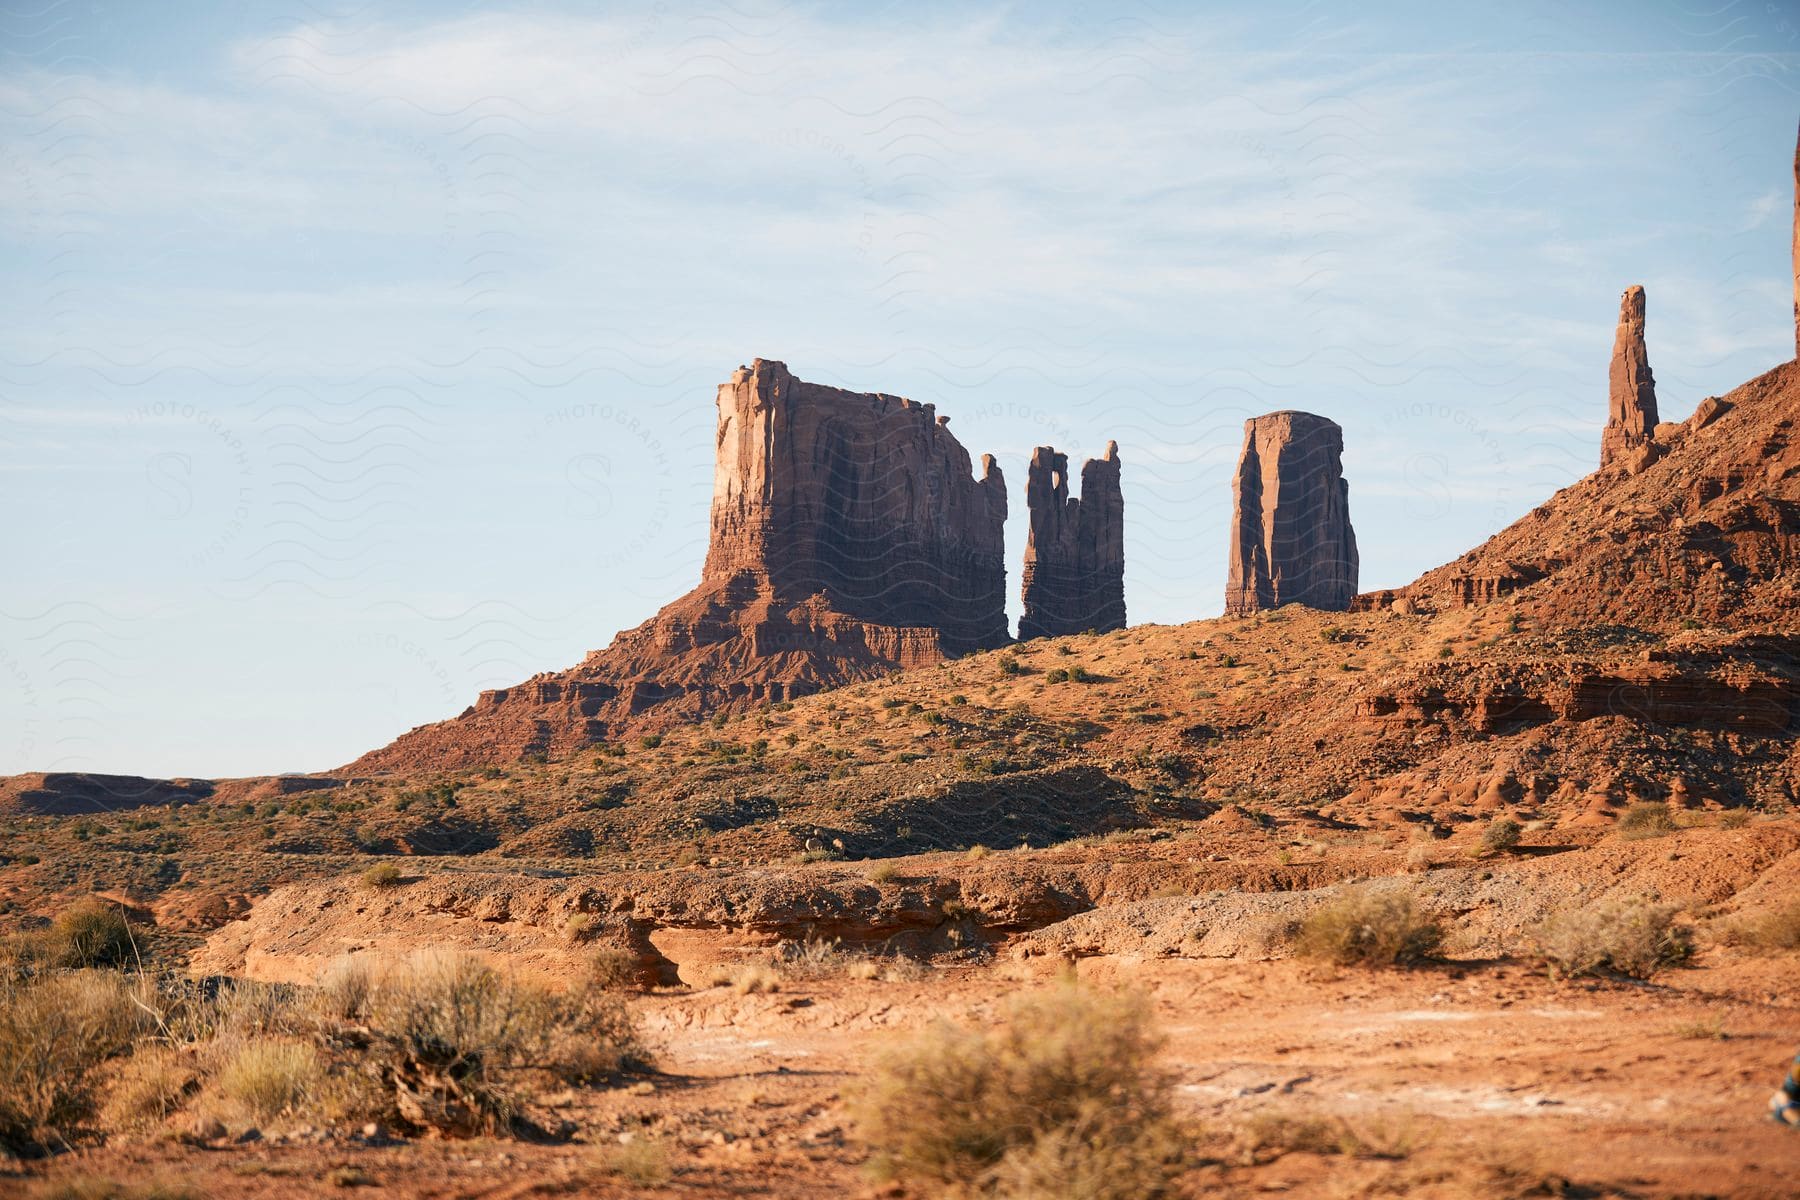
(1647, 819)
(53, 1032)
(90, 933)
(1775, 930)
(149, 1087)
(1633, 938)
(641, 1161)
(1061, 1099)
(269, 1079)
(1269, 1135)
(1501, 836)
(1369, 926)
(451, 1035)
(612, 970)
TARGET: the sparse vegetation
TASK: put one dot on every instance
(641, 1161)
(1633, 938)
(1778, 929)
(1647, 819)
(1501, 835)
(383, 875)
(268, 1078)
(53, 1032)
(1062, 1099)
(1370, 926)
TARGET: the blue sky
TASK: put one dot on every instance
(360, 357)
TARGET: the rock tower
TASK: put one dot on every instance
(849, 539)
(1291, 540)
(1629, 440)
(1074, 577)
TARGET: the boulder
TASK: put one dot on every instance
(1291, 539)
(1074, 576)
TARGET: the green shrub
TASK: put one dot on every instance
(1632, 938)
(383, 875)
(92, 933)
(1369, 926)
(1061, 1099)
(651, 741)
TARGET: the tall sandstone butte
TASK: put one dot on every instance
(849, 539)
(1628, 442)
(1074, 577)
(865, 498)
(1796, 253)
(1291, 540)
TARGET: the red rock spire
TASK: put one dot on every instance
(1291, 540)
(1631, 393)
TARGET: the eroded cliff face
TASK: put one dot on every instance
(865, 498)
(1074, 576)
(1629, 442)
(849, 539)
(1291, 540)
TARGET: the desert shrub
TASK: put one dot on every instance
(343, 989)
(1061, 1099)
(1737, 818)
(641, 1161)
(1501, 836)
(651, 741)
(1009, 665)
(91, 933)
(1775, 930)
(1056, 675)
(1631, 938)
(150, 1085)
(266, 1078)
(452, 1034)
(53, 1032)
(612, 970)
(1369, 926)
(882, 872)
(1646, 820)
(383, 875)
(1269, 1135)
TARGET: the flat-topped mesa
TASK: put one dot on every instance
(1629, 444)
(1291, 540)
(865, 498)
(1074, 577)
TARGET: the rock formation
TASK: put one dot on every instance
(1291, 540)
(867, 499)
(1796, 258)
(1074, 578)
(1629, 441)
(849, 539)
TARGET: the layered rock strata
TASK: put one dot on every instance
(1629, 442)
(1074, 576)
(849, 539)
(1291, 539)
